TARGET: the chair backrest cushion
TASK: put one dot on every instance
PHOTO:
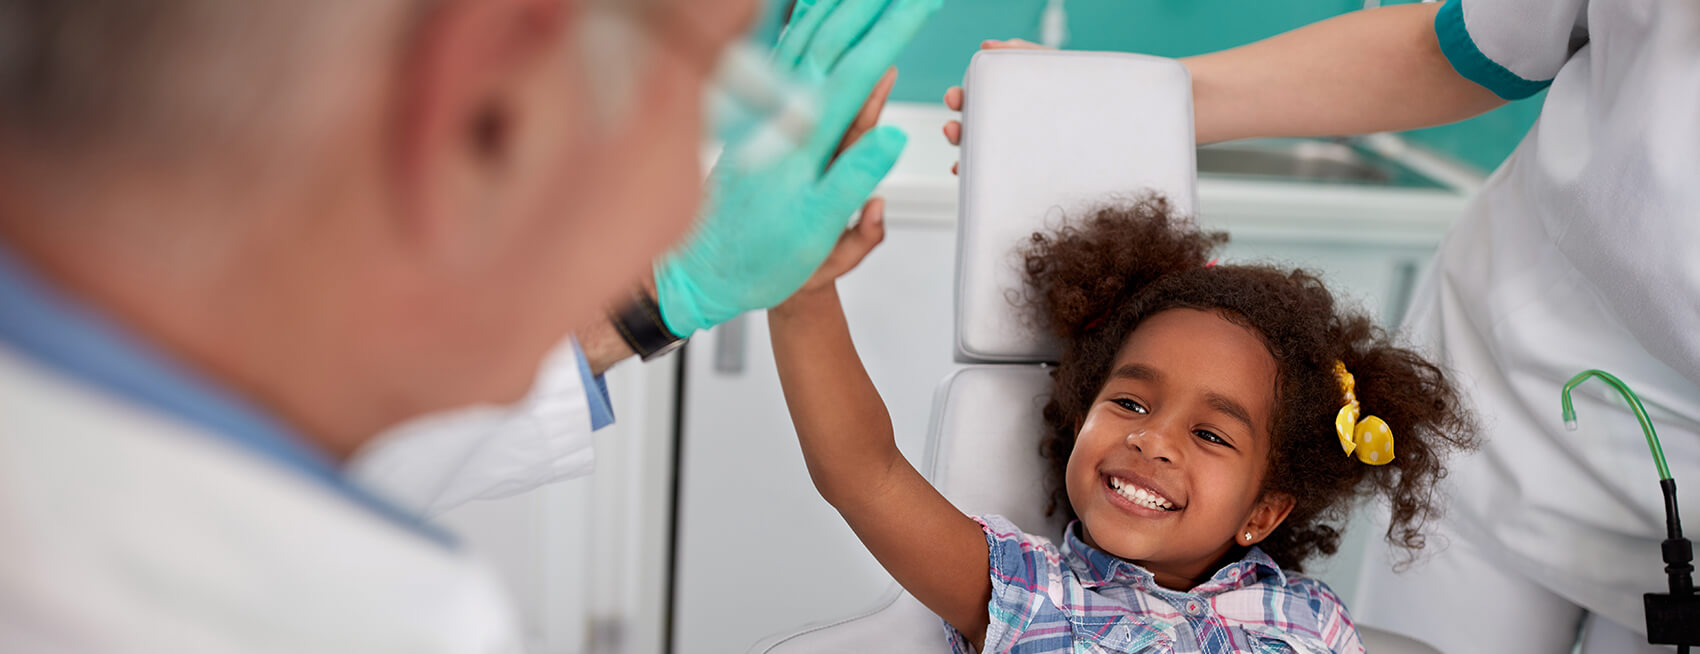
(1048, 133)
(983, 445)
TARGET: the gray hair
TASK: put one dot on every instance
(77, 75)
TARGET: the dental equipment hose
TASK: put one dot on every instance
(1672, 618)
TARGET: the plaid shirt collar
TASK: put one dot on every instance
(1096, 568)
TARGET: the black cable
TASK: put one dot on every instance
(1674, 618)
(677, 481)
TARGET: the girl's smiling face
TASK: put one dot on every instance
(1168, 465)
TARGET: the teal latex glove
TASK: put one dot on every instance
(765, 231)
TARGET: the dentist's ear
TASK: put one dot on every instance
(1270, 511)
(473, 71)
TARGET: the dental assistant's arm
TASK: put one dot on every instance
(1366, 71)
(927, 545)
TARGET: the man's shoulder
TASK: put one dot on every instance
(126, 529)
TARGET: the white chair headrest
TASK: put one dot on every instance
(1046, 134)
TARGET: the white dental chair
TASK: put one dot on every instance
(1043, 131)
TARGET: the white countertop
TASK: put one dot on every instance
(922, 188)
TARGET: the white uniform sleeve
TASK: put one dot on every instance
(440, 461)
(1512, 47)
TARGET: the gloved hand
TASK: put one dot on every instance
(765, 231)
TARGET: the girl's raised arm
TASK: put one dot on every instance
(930, 547)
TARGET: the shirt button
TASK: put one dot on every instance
(1193, 608)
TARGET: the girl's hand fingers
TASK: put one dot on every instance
(953, 132)
(859, 240)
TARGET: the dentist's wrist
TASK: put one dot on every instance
(641, 326)
(602, 346)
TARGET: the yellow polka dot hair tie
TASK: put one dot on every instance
(1370, 438)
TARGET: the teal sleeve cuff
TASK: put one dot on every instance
(595, 393)
(1460, 49)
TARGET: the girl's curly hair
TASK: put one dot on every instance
(1093, 281)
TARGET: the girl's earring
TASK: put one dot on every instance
(1248, 537)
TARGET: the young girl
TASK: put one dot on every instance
(1208, 429)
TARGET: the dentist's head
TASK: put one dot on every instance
(354, 212)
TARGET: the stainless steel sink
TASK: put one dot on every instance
(1308, 161)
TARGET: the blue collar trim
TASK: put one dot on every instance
(73, 338)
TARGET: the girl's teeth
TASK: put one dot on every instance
(1139, 495)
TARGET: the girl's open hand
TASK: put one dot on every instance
(953, 97)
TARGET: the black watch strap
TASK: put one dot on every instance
(641, 327)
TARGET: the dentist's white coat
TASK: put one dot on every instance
(441, 461)
(125, 530)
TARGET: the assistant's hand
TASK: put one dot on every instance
(953, 97)
(765, 231)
